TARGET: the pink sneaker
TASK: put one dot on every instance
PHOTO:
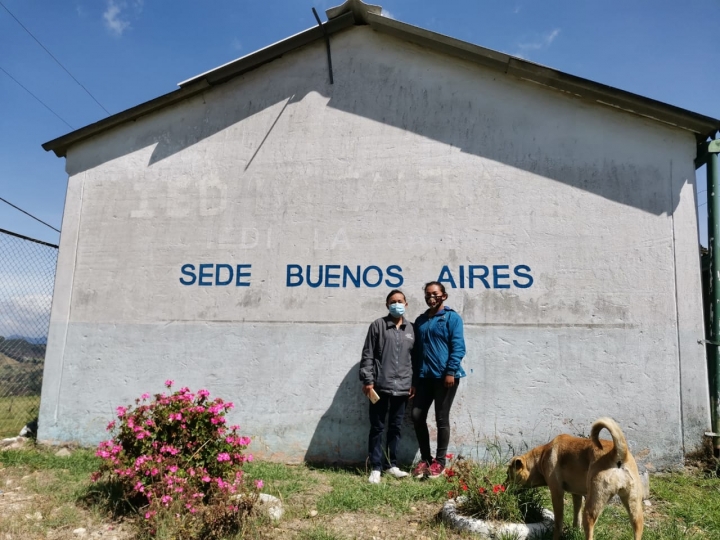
(435, 470)
(421, 470)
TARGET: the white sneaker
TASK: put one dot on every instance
(374, 477)
(397, 473)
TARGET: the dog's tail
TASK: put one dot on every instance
(618, 436)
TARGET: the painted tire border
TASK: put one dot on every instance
(493, 529)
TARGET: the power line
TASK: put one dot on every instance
(27, 213)
(53, 57)
(33, 95)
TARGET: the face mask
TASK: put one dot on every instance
(397, 310)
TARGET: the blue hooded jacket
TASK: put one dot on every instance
(439, 345)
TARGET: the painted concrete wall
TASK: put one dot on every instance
(410, 162)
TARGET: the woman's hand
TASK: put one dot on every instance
(449, 381)
(366, 389)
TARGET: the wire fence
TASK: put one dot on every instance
(27, 275)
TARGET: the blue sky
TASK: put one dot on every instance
(127, 52)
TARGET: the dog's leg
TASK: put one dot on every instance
(633, 504)
(558, 504)
(595, 502)
(577, 506)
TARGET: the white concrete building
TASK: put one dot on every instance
(240, 234)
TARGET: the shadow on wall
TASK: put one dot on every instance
(492, 116)
(341, 435)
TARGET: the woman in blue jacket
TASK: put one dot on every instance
(439, 349)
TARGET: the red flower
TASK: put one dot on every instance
(498, 488)
(481, 490)
(451, 494)
(449, 456)
(464, 486)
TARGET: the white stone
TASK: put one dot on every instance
(81, 532)
(63, 452)
(494, 529)
(273, 506)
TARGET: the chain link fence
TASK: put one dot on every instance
(27, 275)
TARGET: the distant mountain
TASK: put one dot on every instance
(22, 350)
(42, 340)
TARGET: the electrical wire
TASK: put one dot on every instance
(28, 214)
(53, 57)
(37, 98)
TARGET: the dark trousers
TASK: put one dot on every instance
(428, 391)
(392, 408)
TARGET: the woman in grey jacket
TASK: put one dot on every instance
(386, 369)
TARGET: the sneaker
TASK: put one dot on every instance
(397, 473)
(421, 470)
(435, 470)
(374, 477)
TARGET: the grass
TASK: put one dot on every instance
(15, 412)
(351, 492)
(325, 504)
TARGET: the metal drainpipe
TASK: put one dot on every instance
(712, 160)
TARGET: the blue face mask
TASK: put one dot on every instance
(397, 310)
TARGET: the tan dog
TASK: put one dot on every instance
(591, 468)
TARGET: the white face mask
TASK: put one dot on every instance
(397, 309)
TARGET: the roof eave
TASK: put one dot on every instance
(201, 83)
(703, 126)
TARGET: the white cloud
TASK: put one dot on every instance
(237, 44)
(113, 19)
(386, 13)
(542, 42)
(27, 315)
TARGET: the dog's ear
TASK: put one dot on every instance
(517, 463)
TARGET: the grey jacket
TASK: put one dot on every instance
(386, 357)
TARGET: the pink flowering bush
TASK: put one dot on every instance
(174, 459)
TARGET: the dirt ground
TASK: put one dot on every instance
(26, 514)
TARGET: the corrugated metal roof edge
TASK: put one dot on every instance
(585, 89)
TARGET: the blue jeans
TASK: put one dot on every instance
(392, 407)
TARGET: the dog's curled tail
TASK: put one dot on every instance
(617, 435)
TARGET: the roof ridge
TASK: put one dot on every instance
(358, 8)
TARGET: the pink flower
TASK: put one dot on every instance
(206, 478)
(169, 383)
(173, 468)
(224, 456)
(121, 411)
(248, 457)
(166, 499)
(111, 425)
(259, 484)
(148, 515)
(145, 396)
(203, 393)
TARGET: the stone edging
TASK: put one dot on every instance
(493, 529)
